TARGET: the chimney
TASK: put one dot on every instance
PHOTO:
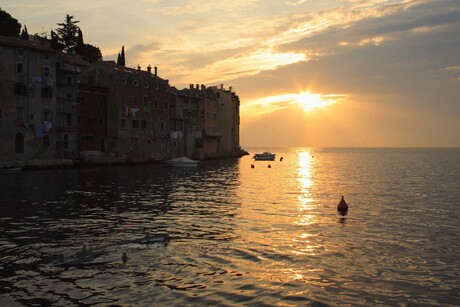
(138, 67)
(149, 69)
(155, 69)
(203, 87)
(221, 86)
(191, 86)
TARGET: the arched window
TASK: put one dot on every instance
(19, 143)
(46, 141)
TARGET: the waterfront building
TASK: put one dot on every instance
(137, 113)
(228, 120)
(92, 110)
(27, 100)
(68, 68)
(185, 125)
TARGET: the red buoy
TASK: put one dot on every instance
(342, 207)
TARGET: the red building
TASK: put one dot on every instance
(92, 120)
(137, 113)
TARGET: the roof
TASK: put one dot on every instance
(123, 70)
(31, 44)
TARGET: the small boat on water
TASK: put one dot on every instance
(183, 161)
(265, 156)
(10, 170)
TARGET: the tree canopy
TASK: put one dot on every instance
(9, 26)
(121, 57)
(67, 33)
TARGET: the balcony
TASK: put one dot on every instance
(212, 134)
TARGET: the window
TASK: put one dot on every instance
(46, 115)
(46, 71)
(19, 68)
(134, 143)
(20, 90)
(143, 124)
(123, 99)
(46, 56)
(146, 101)
(135, 83)
(135, 101)
(146, 84)
(68, 80)
(66, 141)
(80, 100)
(166, 104)
(135, 123)
(153, 124)
(20, 113)
(157, 104)
(46, 141)
(19, 143)
(162, 125)
(19, 51)
(68, 96)
(122, 123)
(79, 119)
(123, 81)
(47, 92)
(69, 119)
(101, 120)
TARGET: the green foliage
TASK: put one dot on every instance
(25, 34)
(54, 42)
(67, 33)
(9, 26)
(121, 57)
(89, 52)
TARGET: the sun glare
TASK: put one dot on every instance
(304, 100)
(308, 101)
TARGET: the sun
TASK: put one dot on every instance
(310, 101)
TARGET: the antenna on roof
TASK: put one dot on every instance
(44, 33)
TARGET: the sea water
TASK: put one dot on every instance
(240, 235)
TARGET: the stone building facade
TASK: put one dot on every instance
(27, 100)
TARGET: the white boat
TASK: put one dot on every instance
(183, 161)
(265, 156)
(10, 170)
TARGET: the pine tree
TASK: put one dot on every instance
(67, 32)
(24, 34)
(79, 39)
(122, 58)
(55, 44)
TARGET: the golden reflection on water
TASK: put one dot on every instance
(306, 243)
(304, 172)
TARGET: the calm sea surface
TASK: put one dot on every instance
(239, 235)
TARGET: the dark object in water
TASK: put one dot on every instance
(80, 264)
(252, 165)
(281, 159)
(269, 166)
(124, 258)
(342, 206)
(156, 238)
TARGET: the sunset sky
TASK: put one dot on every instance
(319, 73)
